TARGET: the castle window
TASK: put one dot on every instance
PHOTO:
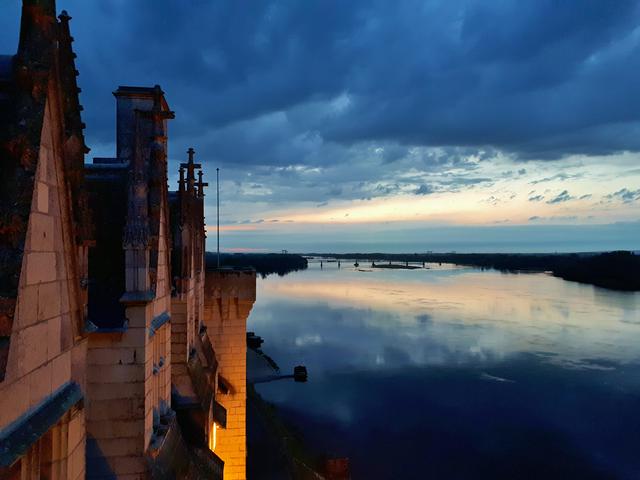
(213, 430)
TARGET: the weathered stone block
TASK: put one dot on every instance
(61, 369)
(178, 307)
(32, 343)
(39, 384)
(14, 401)
(67, 329)
(42, 197)
(137, 316)
(27, 306)
(41, 233)
(105, 340)
(102, 391)
(116, 409)
(118, 447)
(76, 462)
(132, 337)
(78, 363)
(41, 267)
(116, 373)
(53, 337)
(110, 356)
(76, 431)
(129, 465)
(115, 428)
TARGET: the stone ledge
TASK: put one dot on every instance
(16, 439)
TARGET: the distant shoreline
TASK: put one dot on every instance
(263, 263)
(613, 270)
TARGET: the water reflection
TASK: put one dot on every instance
(473, 314)
(456, 356)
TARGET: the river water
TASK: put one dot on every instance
(456, 373)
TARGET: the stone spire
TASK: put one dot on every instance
(201, 185)
(191, 171)
(181, 181)
(37, 30)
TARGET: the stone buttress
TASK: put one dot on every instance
(228, 299)
(44, 239)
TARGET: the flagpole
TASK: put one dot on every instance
(218, 210)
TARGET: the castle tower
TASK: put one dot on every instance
(228, 299)
(129, 357)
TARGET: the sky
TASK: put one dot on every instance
(384, 126)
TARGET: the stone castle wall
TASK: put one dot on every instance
(129, 384)
(47, 350)
(91, 354)
(228, 299)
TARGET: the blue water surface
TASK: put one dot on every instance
(456, 373)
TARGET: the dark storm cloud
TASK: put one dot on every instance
(540, 78)
(362, 91)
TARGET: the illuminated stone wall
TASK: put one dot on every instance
(129, 384)
(184, 314)
(228, 299)
(47, 349)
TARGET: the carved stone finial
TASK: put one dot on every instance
(201, 185)
(191, 167)
(181, 181)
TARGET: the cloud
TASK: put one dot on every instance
(424, 190)
(536, 198)
(492, 200)
(559, 176)
(409, 74)
(311, 102)
(554, 218)
(624, 194)
(561, 197)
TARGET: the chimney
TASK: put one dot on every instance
(128, 101)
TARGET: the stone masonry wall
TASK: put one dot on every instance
(228, 299)
(129, 383)
(46, 349)
(182, 307)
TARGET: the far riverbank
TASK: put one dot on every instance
(263, 263)
(613, 270)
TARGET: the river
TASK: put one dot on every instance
(456, 373)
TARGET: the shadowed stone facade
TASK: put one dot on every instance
(120, 357)
(129, 352)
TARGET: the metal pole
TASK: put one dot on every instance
(218, 210)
